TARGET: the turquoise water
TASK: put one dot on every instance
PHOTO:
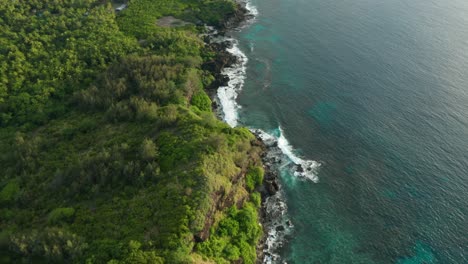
(377, 92)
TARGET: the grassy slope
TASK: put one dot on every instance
(135, 169)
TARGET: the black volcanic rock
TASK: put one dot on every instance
(280, 228)
(271, 186)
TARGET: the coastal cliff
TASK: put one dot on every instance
(116, 155)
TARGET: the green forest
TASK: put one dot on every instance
(109, 149)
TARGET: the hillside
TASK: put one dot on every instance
(109, 149)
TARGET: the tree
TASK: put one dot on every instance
(148, 150)
(137, 256)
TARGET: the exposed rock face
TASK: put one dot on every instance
(222, 200)
(271, 186)
(221, 60)
(280, 228)
(276, 225)
(241, 15)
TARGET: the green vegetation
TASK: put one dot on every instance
(61, 214)
(109, 150)
(235, 235)
(141, 15)
(254, 177)
(50, 48)
(10, 191)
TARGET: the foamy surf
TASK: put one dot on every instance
(251, 8)
(227, 95)
(277, 224)
(280, 153)
(305, 168)
(281, 157)
(302, 168)
(276, 210)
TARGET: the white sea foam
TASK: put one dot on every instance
(268, 139)
(228, 94)
(279, 149)
(303, 168)
(276, 210)
(275, 205)
(251, 45)
(280, 156)
(251, 8)
(306, 168)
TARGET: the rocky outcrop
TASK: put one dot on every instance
(276, 225)
(222, 58)
(215, 66)
(240, 16)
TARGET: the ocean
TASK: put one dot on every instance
(372, 97)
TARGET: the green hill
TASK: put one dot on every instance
(109, 150)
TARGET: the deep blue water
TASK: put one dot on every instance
(377, 91)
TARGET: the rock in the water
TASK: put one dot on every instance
(270, 176)
(275, 185)
(299, 168)
(271, 186)
(280, 228)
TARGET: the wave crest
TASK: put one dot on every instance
(304, 168)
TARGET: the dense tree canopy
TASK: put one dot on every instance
(49, 49)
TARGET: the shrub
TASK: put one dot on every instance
(144, 110)
(231, 252)
(148, 150)
(228, 227)
(247, 252)
(256, 199)
(254, 177)
(61, 214)
(58, 245)
(234, 237)
(202, 101)
(10, 191)
(137, 256)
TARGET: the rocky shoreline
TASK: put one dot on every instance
(276, 225)
(216, 42)
(273, 210)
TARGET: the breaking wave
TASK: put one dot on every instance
(227, 95)
(280, 153)
(304, 168)
(281, 157)
(299, 167)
